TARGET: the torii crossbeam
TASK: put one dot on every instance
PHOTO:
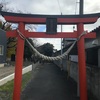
(23, 19)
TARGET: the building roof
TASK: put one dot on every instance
(96, 30)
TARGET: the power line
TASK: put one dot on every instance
(75, 11)
(61, 31)
(59, 7)
(76, 6)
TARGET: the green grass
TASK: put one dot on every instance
(6, 90)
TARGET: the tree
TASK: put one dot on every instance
(46, 49)
(12, 42)
(27, 50)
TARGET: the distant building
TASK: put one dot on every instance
(3, 43)
(92, 47)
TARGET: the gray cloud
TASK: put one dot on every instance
(52, 7)
(43, 6)
(91, 6)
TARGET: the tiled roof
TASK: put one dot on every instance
(96, 30)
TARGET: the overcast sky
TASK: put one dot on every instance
(52, 7)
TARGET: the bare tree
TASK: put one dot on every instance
(11, 42)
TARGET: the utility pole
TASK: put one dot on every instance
(80, 13)
(61, 39)
(81, 7)
(61, 48)
(81, 58)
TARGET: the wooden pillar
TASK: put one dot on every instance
(19, 64)
(82, 64)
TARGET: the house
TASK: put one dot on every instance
(92, 48)
(3, 42)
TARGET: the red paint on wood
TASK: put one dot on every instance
(18, 65)
(12, 33)
(77, 20)
(44, 35)
(82, 64)
(90, 35)
(58, 35)
(43, 20)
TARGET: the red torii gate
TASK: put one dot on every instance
(23, 19)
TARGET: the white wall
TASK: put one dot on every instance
(1, 65)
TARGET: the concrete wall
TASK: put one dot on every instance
(62, 64)
(93, 76)
(71, 68)
(93, 80)
(99, 57)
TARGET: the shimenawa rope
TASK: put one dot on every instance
(47, 57)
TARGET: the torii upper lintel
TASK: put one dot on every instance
(41, 19)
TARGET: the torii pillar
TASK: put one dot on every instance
(82, 64)
(81, 58)
(19, 64)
